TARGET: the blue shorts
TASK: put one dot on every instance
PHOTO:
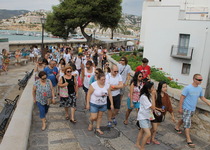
(42, 109)
(0, 66)
(135, 104)
(96, 108)
(145, 123)
(186, 117)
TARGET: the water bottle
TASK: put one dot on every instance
(158, 113)
(163, 107)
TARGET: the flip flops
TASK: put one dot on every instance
(191, 144)
(178, 131)
(125, 122)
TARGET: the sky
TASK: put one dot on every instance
(129, 6)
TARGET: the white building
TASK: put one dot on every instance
(176, 37)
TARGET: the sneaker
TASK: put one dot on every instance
(109, 124)
(114, 121)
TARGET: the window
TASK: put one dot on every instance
(186, 68)
(184, 40)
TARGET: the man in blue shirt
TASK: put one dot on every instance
(187, 106)
(52, 74)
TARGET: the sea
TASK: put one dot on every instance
(15, 35)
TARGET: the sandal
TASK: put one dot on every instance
(178, 131)
(156, 142)
(73, 121)
(148, 142)
(90, 127)
(99, 131)
(191, 144)
(125, 122)
(67, 117)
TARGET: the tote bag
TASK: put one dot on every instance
(79, 82)
(64, 90)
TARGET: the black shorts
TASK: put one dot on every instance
(85, 89)
(116, 102)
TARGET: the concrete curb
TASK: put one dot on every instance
(17, 134)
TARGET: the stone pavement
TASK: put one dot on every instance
(61, 134)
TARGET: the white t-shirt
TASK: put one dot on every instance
(123, 71)
(78, 62)
(87, 78)
(99, 96)
(77, 73)
(114, 81)
(145, 112)
(67, 57)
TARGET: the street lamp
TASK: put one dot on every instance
(43, 20)
(94, 35)
(66, 28)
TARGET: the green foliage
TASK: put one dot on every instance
(156, 74)
(79, 13)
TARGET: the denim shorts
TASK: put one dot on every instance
(135, 104)
(145, 123)
(96, 108)
(42, 109)
(186, 117)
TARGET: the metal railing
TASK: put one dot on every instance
(181, 52)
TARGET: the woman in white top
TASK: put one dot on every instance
(97, 101)
(87, 73)
(145, 114)
(74, 71)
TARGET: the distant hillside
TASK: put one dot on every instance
(5, 14)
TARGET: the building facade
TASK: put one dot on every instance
(175, 35)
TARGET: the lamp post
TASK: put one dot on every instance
(43, 20)
(94, 35)
(66, 28)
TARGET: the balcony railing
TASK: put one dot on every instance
(181, 52)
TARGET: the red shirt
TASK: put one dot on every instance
(145, 70)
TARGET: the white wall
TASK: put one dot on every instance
(162, 31)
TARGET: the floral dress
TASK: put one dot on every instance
(43, 93)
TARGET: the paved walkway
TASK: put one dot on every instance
(63, 135)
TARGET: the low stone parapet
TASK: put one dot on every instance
(16, 136)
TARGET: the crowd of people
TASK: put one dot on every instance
(60, 75)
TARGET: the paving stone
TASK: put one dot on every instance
(39, 140)
(99, 147)
(54, 109)
(84, 141)
(58, 125)
(58, 135)
(65, 146)
(38, 148)
(122, 143)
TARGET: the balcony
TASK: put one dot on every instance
(181, 52)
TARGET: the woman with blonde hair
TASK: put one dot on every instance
(68, 93)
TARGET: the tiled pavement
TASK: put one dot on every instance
(63, 135)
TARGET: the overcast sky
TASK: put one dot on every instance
(129, 6)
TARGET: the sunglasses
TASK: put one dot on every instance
(116, 71)
(107, 64)
(199, 79)
(140, 76)
(96, 72)
(68, 71)
(43, 78)
(122, 60)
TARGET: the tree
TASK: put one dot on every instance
(79, 13)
